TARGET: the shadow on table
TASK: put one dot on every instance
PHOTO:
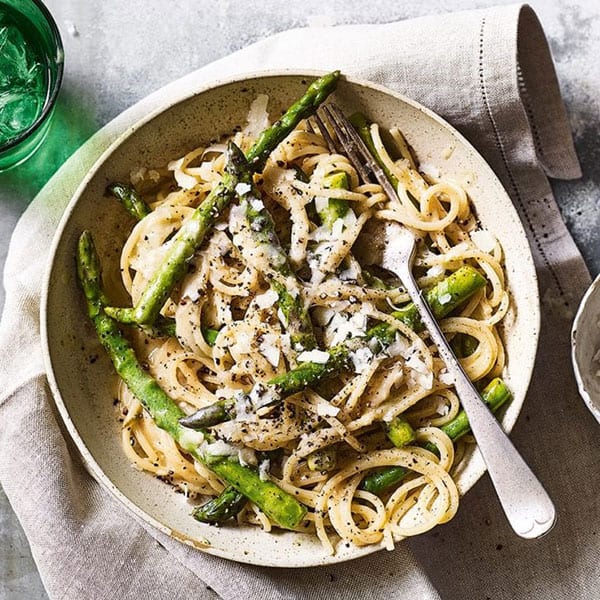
(578, 200)
(72, 124)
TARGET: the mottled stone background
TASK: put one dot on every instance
(118, 52)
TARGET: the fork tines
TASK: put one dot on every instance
(333, 147)
(357, 151)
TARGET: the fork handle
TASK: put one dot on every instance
(527, 506)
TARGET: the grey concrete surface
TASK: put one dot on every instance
(118, 52)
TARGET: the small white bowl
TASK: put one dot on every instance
(585, 344)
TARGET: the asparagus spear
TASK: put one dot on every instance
(400, 432)
(222, 508)
(443, 299)
(463, 345)
(258, 223)
(336, 208)
(190, 236)
(138, 209)
(361, 125)
(494, 395)
(305, 107)
(322, 460)
(281, 507)
(210, 335)
(382, 479)
(174, 266)
(130, 199)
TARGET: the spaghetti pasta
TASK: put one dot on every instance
(229, 289)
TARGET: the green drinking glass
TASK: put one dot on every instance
(31, 69)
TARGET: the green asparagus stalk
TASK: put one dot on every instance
(494, 395)
(223, 507)
(174, 266)
(278, 505)
(380, 480)
(400, 432)
(210, 335)
(163, 327)
(336, 207)
(361, 125)
(138, 209)
(443, 298)
(190, 236)
(463, 345)
(281, 507)
(324, 459)
(259, 225)
(305, 107)
(130, 199)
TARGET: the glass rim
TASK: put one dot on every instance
(51, 100)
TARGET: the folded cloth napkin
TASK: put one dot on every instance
(489, 72)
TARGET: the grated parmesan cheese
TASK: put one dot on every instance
(220, 448)
(282, 318)
(361, 359)
(190, 438)
(337, 228)
(269, 349)
(445, 298)
(435, 271)
(256, 204)
(243, 406)
(324, 409)
(261, 395)
(484, 240)
(263, 469)
(429, 169)
(315, 356)
(242, 188)
(400, 347)
(236, 218)
(267, 299)
(258, 117)
(243, 343)
(445, 377)
(342, 328)
(420, 373)
(350, 274)
(321, 203)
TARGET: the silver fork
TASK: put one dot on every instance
(527, 506)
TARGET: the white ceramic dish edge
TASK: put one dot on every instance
(88, 458)
(585, 342)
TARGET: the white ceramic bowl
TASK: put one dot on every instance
(84, 388)
(585, 345)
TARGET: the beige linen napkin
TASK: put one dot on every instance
(489, 72)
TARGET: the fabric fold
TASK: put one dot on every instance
(491, 75)
(540, 94)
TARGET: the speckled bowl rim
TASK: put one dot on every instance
(88, 459)
(579, 325)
